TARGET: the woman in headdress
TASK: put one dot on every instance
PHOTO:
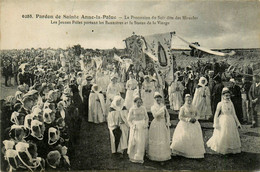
(10, 155)
(138, 136)
(54, 138)
(37, 137)
(113, 90)
(147, 93)
(225, 138)
(201, 100)
(97, 107)
(131, 85)
(27, 156)
(176, 94)
(118, 125)
(106, 80)
(187, 139)
(159, 131)
(17, 133)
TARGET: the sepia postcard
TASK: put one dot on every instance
(65, 55)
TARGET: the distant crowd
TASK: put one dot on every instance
(57, 91)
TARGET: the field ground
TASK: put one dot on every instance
(93, 151)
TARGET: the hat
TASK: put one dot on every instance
(53, 157)
(22, 147)
(55, 135)
(89, 78)
(17, 93)
(30, 93)
(211, 72)
(10, 98)
(66, 77)
(21, 88)
(72, 79)
(93, 88)
(60, 80)
(9, 144)
(66, 91)
(28, 121)
(202, 79)
(232, 80)
(146, 76)
(35, 124)
(187, 95)
(157, 94)
(141, 74)
(14, 118)
(26, 99)
(13, 132)
(225, 90)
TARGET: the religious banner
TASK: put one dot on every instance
(134, 45)
(158, 47)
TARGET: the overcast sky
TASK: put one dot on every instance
(219, 24)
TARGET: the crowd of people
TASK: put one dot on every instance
(56, 93)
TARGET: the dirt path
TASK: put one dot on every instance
(94, 153)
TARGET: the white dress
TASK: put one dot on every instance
(118, 118)
(159, 134)
(175, 95)
(112, 91)
(131, 85)
(138, 136)
(97, 108)
(147, 93)
(201, 102)
(225, 138)
(187, 139)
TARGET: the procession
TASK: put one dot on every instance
(135, 93)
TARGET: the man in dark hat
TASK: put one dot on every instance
(7, 72)
(216, 66)
(85, 93)
(236, 99)
(254, 97)
(216, 93)
(246, 84)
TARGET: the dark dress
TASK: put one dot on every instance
(237, 101)
(216, 96)
(24, 78)
(86, 92)
(41, 145)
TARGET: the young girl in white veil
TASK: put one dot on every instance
(225, 138)
(187, 139)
